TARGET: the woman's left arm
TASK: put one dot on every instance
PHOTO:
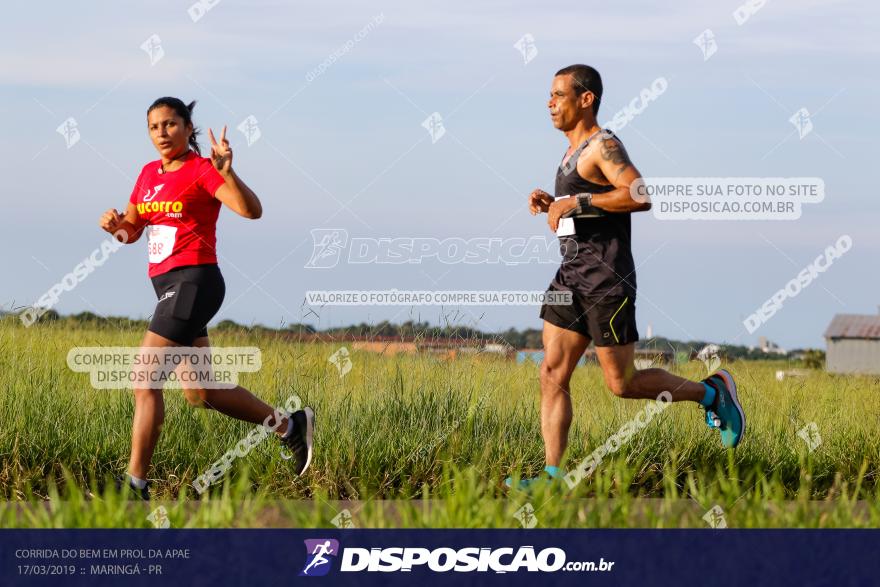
(234, 193)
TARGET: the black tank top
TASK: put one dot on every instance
(597, 260)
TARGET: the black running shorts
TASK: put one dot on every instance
(610, 321)
(188, 298)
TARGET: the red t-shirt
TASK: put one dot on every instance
(181, 212)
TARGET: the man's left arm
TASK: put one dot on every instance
(614, 163)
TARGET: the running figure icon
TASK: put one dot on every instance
(321, 549)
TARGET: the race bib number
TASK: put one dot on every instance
(566, 225)
(160, 242)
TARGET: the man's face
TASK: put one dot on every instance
(567, 108)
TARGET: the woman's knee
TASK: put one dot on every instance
(150, 401)
(197, 398)
(148, 396)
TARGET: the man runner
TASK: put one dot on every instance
(591, 214)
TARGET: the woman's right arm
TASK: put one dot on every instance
(126, 228)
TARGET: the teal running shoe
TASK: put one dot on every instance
(547, 477)
(726, 413)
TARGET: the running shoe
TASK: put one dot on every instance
(299, 439)
(725, 413)
(139, 493)
(543, 480)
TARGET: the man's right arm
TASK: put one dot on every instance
(539, 201)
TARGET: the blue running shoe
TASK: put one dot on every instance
(546, 478)
(726, 413)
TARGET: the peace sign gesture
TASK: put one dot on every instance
(221, 153)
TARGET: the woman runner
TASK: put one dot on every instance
(176, 200)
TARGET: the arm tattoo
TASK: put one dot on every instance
(612, 150)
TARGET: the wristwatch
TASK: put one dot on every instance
(584, 208)
(585, 203)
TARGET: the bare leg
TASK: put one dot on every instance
(625, 381)
(562, 351)
(149, 410)
(236, 402)
(149, 415)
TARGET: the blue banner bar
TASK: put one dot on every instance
(439, 557)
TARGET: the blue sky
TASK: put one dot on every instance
(355, 131)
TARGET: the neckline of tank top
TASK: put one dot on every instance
(581, 147)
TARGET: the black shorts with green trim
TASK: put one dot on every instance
(610, 321)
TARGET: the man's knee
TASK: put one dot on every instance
(620, 386)
(555, 375)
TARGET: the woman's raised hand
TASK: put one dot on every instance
(221, 153)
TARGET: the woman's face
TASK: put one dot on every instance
(170, 135)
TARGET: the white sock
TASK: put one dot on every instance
(134, 481)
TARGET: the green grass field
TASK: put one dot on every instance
(426, 442)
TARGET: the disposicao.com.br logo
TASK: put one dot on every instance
(317, 552)
(442, 560)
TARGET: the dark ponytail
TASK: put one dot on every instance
(185, 112)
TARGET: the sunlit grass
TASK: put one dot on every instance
(424, 441)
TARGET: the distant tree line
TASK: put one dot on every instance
(529, 338)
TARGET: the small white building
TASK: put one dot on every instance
(770, 347)
(853, 344)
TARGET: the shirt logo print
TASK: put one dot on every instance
(148, 196)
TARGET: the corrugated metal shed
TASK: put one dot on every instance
(853, 344)
(854, 326)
